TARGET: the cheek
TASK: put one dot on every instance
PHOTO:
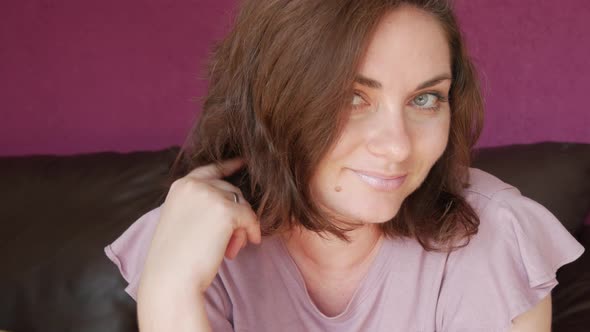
(339, 191)
(436, 142)
(330, 169)
(333, 186)
(431, 138)
(443, 134)
(349, 142)
(342, 194)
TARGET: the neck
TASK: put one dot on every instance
(331, 255)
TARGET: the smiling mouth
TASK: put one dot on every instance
(381, 183)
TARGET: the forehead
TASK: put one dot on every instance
(408, 46)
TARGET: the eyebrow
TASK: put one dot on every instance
(374, 84)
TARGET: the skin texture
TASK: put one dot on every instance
(389, 131)
(177, 273)
(536, 319)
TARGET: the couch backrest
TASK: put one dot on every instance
(58, 213)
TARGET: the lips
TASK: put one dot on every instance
(381, 182)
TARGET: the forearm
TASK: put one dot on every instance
(165, 313)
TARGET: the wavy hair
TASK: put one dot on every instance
(278, 84)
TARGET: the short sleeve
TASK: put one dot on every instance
(507, 268)
(218, 307)
(129, 251)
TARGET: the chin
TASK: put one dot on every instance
(374, 213)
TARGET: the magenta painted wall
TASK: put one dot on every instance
(533, 56)
(86, 76)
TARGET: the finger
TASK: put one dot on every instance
(242, 215)
(230, 245)
(235, 244)
(243, 237)
(249, 222)
(227, 189)
(254, 234)
(241, 240)
(245, 218)
(217, 171)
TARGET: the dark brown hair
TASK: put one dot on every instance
(278, 85)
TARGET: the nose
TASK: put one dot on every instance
(390, 138)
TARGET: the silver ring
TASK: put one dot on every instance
(236, 197)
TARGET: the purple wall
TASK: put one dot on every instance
(534, 61)
(86, 76)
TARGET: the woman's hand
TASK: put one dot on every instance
(200, 222)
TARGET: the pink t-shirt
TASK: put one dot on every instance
(506, 269)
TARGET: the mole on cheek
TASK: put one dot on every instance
(338, 189)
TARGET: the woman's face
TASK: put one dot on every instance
(399, 121)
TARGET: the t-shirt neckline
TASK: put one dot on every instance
(372, 277)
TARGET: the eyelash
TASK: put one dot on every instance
(436, 108)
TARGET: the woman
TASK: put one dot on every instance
(332, 154)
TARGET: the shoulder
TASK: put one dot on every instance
(129, 251)
(509, 266)
(256, 272)
(485, 184)
(252, 264)
(484, 190)
(503, 210)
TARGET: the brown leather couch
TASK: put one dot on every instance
(58, 212)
